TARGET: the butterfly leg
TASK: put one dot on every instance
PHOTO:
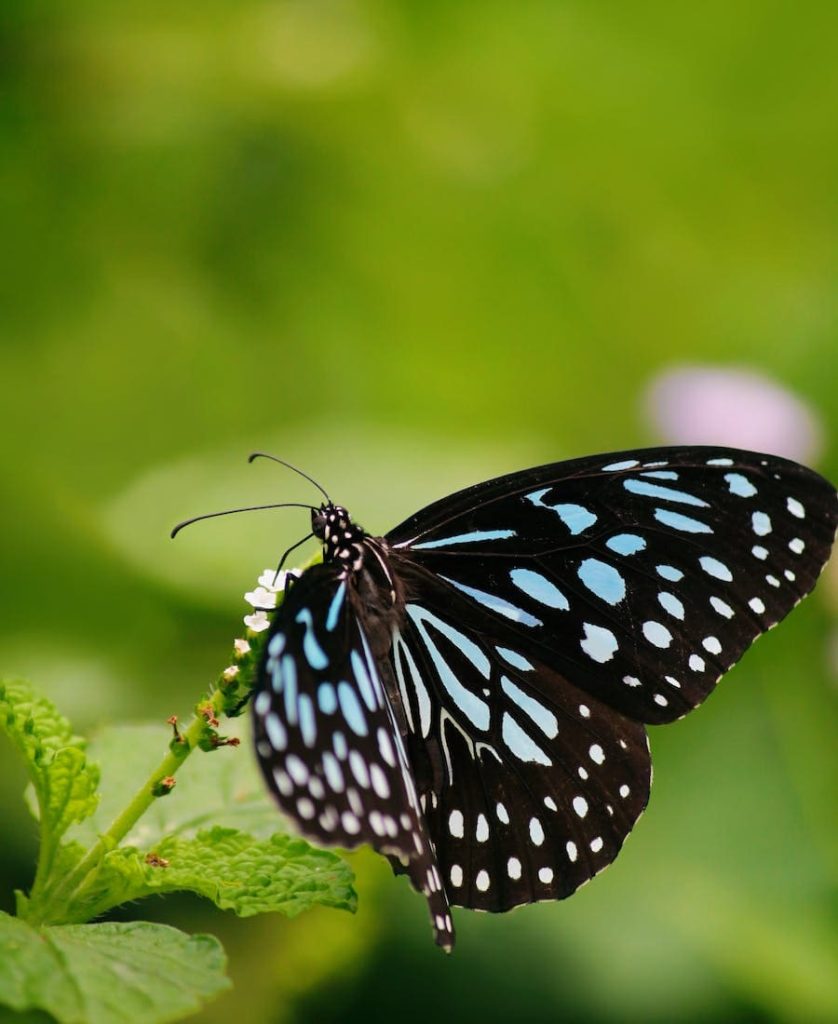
(284, 558)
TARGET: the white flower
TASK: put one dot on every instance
(270, 584)
(241, 647)
(269, 580)
(230, 673)
(276, 584)
(261, 597)
(257, 622)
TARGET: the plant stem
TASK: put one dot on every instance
(62, 897)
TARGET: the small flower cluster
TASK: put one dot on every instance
(237, 680)
(263, 598)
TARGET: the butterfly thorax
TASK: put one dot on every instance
(365, 563)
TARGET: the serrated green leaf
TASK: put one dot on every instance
(217, 829)
(64, 781)
(236, 871)
(219, 788)
(108, 973)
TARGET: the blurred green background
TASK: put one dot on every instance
(410, 245)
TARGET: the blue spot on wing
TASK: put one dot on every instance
(496, 604)
(314, 653)
(542, 716)
(603, 580)
(308, 726)
(534, 585)
(327, 698)
(669, 572)
(667, 493)
(351, 709)
(288, 675)
(626, 543)
(522, 745)
(475, 709)
(576, 518)
(362, 677)
(464, 538)
(686, 524)
(514, 659)
(335, 607)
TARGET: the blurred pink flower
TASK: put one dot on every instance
(736, 407)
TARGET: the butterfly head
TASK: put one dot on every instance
(340, 536)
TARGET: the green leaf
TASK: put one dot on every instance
(217, 830)
(236, 871)
(108, 973)
(65, 783)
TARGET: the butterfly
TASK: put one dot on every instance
(469, 692)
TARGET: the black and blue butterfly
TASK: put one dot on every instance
(468, 693)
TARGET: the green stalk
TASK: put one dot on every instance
(60, 900)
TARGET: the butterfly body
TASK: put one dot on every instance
(468, 693)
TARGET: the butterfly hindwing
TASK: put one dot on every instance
(326, 739)
(529, 785)
(640, 577)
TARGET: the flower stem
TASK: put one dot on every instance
(59, 902)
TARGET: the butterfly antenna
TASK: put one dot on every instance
(282, 462)
(233, 511)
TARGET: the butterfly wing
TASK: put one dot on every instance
(640, 577)
(529, 785)
(326, 737)
(552, 611)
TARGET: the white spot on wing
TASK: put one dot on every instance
(657, 634)
(796, 509)
(599, 643)
(712, 645)
(536, 832)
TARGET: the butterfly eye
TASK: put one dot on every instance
(318, 522)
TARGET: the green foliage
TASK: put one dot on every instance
(108, 973)
(64, 782)
(409, 246)
(236, 871)
(214, 836)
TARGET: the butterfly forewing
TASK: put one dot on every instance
(640, 577)
(326, 738)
